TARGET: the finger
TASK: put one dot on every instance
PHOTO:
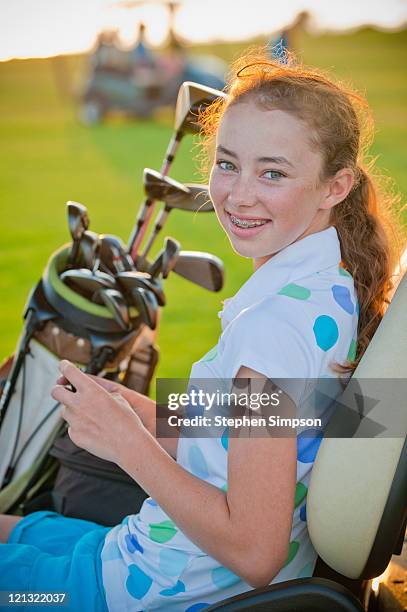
(108, 385)
(122, 400)
(73, 375)
(65, 413)
(65, 383)
(64, 396)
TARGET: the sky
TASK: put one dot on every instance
(41, 28)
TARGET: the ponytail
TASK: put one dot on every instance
(367, 255)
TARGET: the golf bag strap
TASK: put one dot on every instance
(141, 368)
(5, 369)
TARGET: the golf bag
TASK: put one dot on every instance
(40, 468)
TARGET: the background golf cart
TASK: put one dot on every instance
(144, 88)
(141, 80)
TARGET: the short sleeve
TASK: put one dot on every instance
(272, 338)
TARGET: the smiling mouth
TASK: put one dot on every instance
(246, 223)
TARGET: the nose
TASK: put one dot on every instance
(242, 191)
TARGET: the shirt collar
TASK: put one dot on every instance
(300, 259)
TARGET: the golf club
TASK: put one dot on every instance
(116, 304)
(87, 282)
(192, 99)
(130, 280)
(78, 222)
(196, 201)
(147, 305)
(201, 268)
(112, 255)
(166, 259)
(156, 187)
(89, 249)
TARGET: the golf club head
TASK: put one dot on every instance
(78, 220)
(166, 259)
(198, 199)
(86, 282)
(89, 247)
(192, 99)
(113, 255)
(201, 268)
(116, 304)
(160, 187)
(131, 280)
(147, 305)
(78, 223)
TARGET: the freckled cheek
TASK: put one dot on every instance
(286, 206)
(218, 192)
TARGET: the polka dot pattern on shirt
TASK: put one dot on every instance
(326, 332)
(178, 588)
(308, 443)
(292, 551)
(138, 583)
(225, 439)
(300, 493)
(132, 544)
(352, 351)
(162, 532)
(223, 578)
(295, 291)
(341, 295)
(172, 561)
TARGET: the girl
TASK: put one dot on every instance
(291, 192)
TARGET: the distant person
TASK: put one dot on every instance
(287, 40)
(142, 62)
(141, 53)
(107, 56)
(172, 62)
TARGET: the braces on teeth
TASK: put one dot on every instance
(242, 223)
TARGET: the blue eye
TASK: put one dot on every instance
(273, 174)
(225, 165)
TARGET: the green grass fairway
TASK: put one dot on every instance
(48, 158)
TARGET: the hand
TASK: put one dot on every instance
(100, 420)
(141, 404)
(109, 385)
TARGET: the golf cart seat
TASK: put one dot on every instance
(357, 499)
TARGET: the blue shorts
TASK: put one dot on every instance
(47, 552)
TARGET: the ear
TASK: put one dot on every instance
(338, 187)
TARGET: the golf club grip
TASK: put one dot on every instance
(171, 151)
(141, 231)
(135, 241)
(156, 230)
(147, 202)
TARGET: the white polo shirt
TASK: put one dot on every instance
(295, 316)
